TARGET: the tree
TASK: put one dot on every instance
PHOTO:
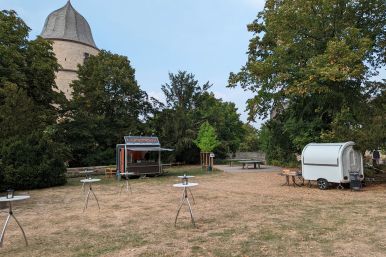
(32, 161)
(207, 138)
(13, 48)
(107, 104)
(184, 91)
(311, 60)
(250, 141)
(175, 123)
(224, 118)
(189, 105)
(29, 156)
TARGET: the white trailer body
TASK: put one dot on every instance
(332, 162)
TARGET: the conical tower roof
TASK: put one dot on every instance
(67, 24)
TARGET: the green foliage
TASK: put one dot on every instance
(188, 106)
(224, 118)
(310, 62)
(367, 126)
(184, 91)
(29, 156)
(13, 47)
(273, 140)
(32, 161)
(250, 141)
(40, 73)
(107, 104)
(175, 123)
(207, 138)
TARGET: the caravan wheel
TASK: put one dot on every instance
(323, 184)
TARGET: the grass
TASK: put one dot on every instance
(245, 214)
(169, 173)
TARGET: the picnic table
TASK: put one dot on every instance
(254, 162)
(235, 160)
(294, 176)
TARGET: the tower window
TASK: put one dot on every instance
(86, 56)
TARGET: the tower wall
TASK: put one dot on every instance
(69, 55)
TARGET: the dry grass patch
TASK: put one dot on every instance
(246, 214)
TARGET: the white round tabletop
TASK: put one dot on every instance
(186, 176)
(15, 198)
(185, 185)
(92, 180)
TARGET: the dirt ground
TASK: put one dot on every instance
(243, 214)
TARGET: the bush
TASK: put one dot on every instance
(33, 161)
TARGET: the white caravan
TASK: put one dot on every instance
(331, 163)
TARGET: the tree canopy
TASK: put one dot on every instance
(207, 138)
(189, 105)
(311, 63)
(107, 104)
(29, 109)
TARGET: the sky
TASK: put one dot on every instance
(208, 38)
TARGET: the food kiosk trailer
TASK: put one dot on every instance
(329, 163)
(140, 155)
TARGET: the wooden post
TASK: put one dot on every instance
(159, 162)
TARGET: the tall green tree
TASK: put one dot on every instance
(183, 91)
(206, 138)
(13, 48)
(189, 105)
(175, 124)
(312, 60)
(107, 104)
(28, 109)
(224, 118)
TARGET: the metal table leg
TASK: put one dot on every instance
(88, 196)
(190, 191)
(183, 200)
(10, 214)
(127, 186)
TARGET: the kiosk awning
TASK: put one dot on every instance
(148, 149)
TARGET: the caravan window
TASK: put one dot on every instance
(321, 155)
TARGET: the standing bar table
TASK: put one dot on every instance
(185, 200)
(10, 214)
(126, 174)
(89, 181)
(87, 173)
(185, 180)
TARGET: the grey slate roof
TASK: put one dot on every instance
(66, 23)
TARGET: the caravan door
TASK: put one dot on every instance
(351, 161)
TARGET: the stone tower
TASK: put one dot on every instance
(72, 43)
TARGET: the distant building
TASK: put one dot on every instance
(72, 43)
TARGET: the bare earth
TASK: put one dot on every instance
(243, 214)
